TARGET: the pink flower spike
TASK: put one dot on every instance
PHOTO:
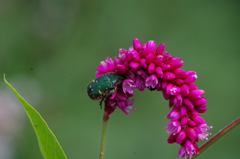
(181, 136)
(151, 68)
(160, 49)
(173, 127)
(151, 81)
(191, 134)
(134, 65)
(144, 65)
(137, 44)
(150, 46)
(173, 114)
(128, 86)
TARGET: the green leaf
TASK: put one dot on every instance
(48, 143)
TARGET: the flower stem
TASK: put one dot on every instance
(103, 140)
(216, 137)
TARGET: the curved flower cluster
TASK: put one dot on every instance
(149, 66)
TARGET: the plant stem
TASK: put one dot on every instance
(103, 140)
(216, 137)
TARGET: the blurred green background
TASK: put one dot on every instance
(49, 51)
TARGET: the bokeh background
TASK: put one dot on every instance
(49, 51)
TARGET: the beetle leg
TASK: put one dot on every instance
(101, 102)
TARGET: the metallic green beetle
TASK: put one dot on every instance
(104, 86)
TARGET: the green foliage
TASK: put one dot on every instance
(48, 142)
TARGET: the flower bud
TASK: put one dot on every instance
(137, 44)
